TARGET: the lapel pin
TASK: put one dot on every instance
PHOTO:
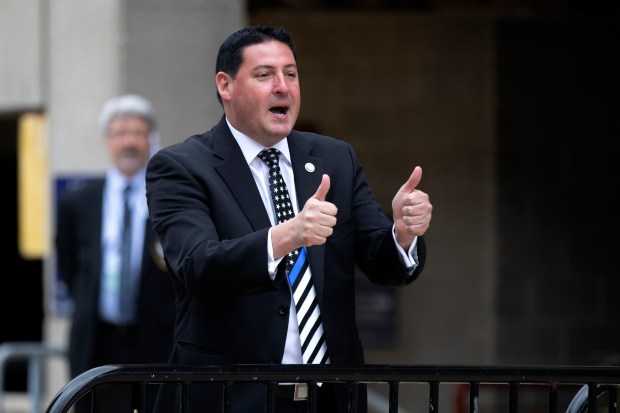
(309, 167)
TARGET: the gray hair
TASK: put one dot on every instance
(127, 105)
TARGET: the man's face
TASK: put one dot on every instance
(128, 142)
(263, 101)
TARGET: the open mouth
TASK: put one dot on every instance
(279, 110)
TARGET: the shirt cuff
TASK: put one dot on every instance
(272, 264)
(408, 258)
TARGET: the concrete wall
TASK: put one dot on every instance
(84, 69)
(21, 70)
(164, 50)
(68, 57)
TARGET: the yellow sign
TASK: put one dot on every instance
(33, 187)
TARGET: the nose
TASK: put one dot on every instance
(280, 84)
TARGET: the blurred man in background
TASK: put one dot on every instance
(108, 255)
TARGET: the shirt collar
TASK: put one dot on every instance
(118, 181)
(251, 148)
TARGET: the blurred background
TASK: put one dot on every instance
(510, 107)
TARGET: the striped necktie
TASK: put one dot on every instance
(313, 345)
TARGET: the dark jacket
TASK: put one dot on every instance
(79, 256)
(206, 208)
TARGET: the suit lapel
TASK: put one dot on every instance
(308, 171)
(235, 171)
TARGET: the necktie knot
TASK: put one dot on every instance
(277, 187)
(270, 156)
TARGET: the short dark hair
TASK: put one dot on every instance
(230, 55)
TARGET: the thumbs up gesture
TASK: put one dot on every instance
(411, 210)
(312, 226)
(316, 220)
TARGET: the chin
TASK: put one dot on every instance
(129, 166)
(283, 131)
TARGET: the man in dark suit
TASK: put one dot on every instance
(90, 246)
(210, 201)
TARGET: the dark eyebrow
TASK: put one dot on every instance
(258, 67)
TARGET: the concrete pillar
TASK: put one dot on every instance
(164, 50)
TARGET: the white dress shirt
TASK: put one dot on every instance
(112, 223)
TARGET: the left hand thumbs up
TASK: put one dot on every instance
(411, 210)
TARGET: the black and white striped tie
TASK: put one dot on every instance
(313, 345)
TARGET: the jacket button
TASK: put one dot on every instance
(283, 310)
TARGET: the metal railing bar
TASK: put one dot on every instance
(35, 353)
(185, 397)
(271, 396)
(392, 374)
(513, 398)
(393, 397)
(354, 395)
(433, 397)
(474, 395)
(592, 397)
(141, 389)
(369, 373)
(553, 398)
(228, 392)
(313, 393)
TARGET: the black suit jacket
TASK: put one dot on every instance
(79, 258)
(206, 209)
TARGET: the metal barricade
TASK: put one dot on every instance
(35, 353)
(511, 378)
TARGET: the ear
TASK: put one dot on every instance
(223, 82)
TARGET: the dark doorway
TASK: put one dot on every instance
(21, 302)
(558, 177)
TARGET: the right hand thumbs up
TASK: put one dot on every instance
(316, 220)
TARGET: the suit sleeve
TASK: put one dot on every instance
(376, 251)
(207, 243)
